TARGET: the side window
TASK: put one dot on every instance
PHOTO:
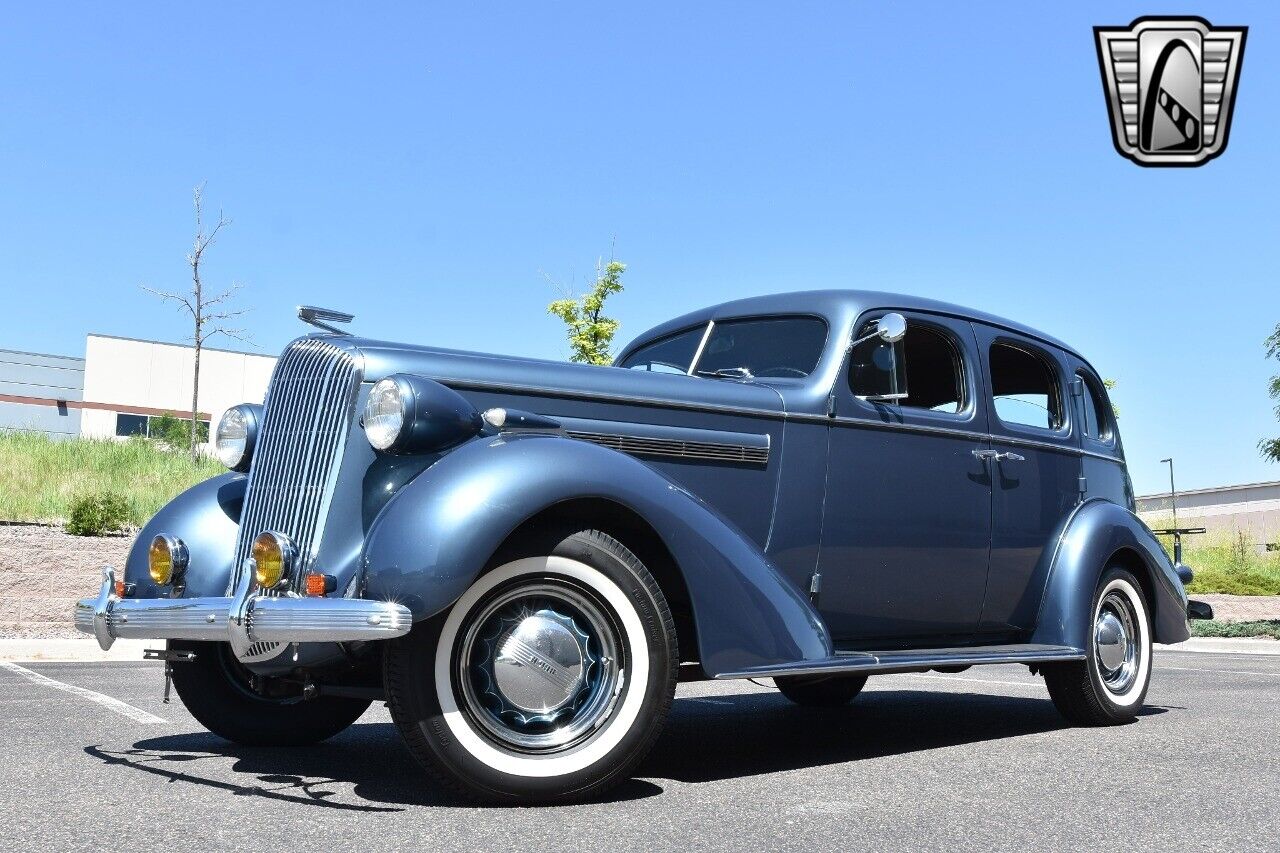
(1097, 419)
(672, 354)
(923, 371)
(1025, 388)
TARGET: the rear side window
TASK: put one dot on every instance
(1024, 388)
(770, 348)
(925, 373)
(672, 354)
(1097, 421)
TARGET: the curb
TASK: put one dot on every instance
(1225, 646)
(86, 650)
(83, 650)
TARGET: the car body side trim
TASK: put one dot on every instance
(913, 660)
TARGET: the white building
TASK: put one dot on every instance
(1250, 509)
(121, 384)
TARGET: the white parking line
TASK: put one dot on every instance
(1222, 671)
(123, 708)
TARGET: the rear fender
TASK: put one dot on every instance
(440, 531)
(1097, 535)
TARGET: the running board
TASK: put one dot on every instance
(914, 660)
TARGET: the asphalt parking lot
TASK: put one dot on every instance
(974, 760)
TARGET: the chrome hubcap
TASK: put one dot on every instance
(540, 662)
(1115, 643)
(539, 666)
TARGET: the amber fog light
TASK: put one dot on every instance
(273, 556)
(166, 559)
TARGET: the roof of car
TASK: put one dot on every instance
(833, 304)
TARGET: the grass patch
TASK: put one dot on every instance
(41, 478)
(1225, 563)
(1215, 628)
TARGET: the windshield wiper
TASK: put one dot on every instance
(728, 373)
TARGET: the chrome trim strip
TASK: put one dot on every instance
(912, 660)
(954, 432)
(711, 451)
(796, 417)
(702, 344)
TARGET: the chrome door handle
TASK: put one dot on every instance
(998, 456)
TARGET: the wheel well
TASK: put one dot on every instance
(1132, 562)
(631, 529)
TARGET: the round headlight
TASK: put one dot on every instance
(273, 555)
(166, 559)
(384, 413)
(236, 436)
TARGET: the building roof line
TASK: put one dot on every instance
(172, 344)
(1211, 489)
(42, 354)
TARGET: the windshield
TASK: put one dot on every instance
(671, 354)
(777, 347)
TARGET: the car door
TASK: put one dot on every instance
(1035, 470)
(907, 521)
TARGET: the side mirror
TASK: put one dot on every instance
(891, 328)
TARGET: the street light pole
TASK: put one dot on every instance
(1173, 500)
(1173, 491)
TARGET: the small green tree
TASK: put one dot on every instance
(1111, 386)
(590, 331)
(1270, 447)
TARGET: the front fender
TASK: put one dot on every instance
(206, 517)
(437, 534)
(1091, 538)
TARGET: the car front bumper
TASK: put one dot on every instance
(242, 619)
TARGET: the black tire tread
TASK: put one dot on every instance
(205, 689)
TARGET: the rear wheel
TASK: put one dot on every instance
(548, 680)
(829, 691)
(1109, 686)
(223, 696)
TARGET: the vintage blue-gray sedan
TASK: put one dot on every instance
(522, 558)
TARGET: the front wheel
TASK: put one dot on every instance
(1109, 686)
(221, 694)
(548, 680)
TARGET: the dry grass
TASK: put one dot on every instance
(40, 477)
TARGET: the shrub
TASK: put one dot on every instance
(94, 515)
(176, 432)
(1215, 628)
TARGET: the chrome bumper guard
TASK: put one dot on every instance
(242, 620)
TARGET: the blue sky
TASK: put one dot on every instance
(427, 166)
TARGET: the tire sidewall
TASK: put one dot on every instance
(468, 755)
(1122, 706)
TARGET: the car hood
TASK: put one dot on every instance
(539, 377)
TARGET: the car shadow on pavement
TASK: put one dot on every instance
(723, 737)
(707, 738)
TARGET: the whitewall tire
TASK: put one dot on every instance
(1110, 685)
(549, 679)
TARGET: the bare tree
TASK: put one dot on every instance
(209, 314)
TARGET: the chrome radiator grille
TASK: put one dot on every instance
(306, 418)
